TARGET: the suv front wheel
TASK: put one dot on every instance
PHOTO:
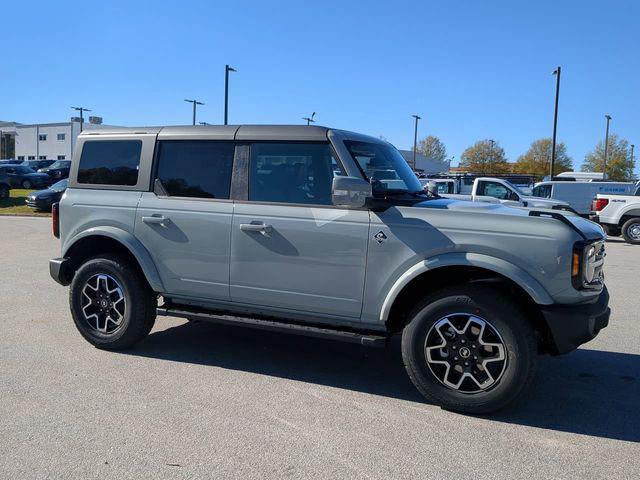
(469, 348)
(112, 306)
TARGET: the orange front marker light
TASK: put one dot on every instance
(575, 267)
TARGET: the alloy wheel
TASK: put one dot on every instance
(465, 353)
(103, 303)
(634, 231)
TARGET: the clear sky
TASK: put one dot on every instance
(471, 69)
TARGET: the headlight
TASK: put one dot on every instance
(587, 265)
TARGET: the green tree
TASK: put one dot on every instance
(620, 165)
(485, 157)
(433, 148)
(537, 160)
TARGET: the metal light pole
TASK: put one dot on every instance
(1, 139)
(632, 147)
(310, 119)
(81, 110)
(491, 156)
(555, 124)
(606, 148)
(415, 140)
(194, 102)
(227, 69)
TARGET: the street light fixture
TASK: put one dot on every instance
(556, 72)
(194, 102)
(415, 140)
(81, 110)
(606, 148)
(310, 119)
(227, 69)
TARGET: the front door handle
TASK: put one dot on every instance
(155, 220)
(255, 227)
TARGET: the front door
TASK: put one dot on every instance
(185, 223)
(290, 248)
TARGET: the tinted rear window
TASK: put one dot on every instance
(110, 162)
(198, 168)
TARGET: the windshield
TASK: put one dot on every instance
(515, 189)
(61, 185)
(384, 167)
(59, 164)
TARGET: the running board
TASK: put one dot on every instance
(366, 339)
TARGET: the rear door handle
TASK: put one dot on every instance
(155, 220)
(255, 227)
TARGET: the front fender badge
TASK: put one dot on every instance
(380, 236)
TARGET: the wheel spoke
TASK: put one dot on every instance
(465, 352)
(103, 303)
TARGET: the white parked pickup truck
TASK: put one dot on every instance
(619, 214)
(493, 190)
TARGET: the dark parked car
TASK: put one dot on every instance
(10, 161)
(43, 199)
(37, 164)
(58, 170)
(25, 177)
(5, 185)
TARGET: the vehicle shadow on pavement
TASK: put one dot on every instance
(589, 392)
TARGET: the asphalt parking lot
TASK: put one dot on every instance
(205, 401)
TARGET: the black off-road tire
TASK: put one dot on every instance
(506, 318)
(630, 231)
(140, 303)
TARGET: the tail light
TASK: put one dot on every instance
(599, 204)
(55, 219)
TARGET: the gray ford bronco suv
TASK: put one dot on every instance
(322, 232)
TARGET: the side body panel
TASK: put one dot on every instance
(191, 247)
(312, 259)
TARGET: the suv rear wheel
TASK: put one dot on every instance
(469, 349)
(112, 306)
(631, 231)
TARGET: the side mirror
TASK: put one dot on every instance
(350, 192)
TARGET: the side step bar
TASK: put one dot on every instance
(366, 339)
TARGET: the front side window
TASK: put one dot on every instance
(110, 162)
(496, 190)
(543, 191)
(292, 173)
(384, 167)
(195, 168)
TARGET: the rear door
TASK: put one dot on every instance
(185, 222)
(291, 248)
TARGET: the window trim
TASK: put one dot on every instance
(294, 142)
(156, 164)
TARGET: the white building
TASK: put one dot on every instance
(49, 141)
(424, 164)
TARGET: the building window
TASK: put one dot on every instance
(20, 157)
(62, 157)
(110, 162)
(31, 157)
(42, 157)
(61, 136)
(42, 137)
